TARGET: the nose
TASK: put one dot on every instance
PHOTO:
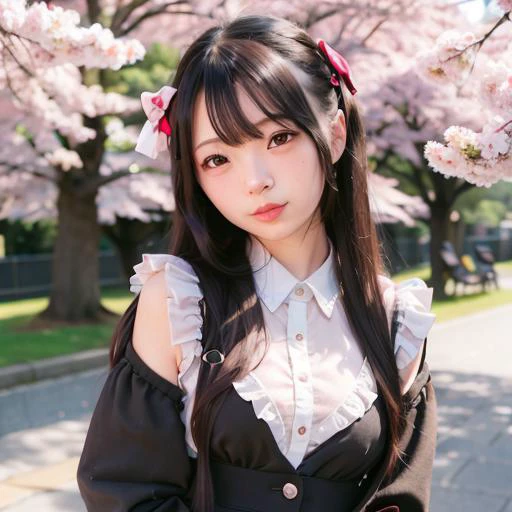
(258, 176)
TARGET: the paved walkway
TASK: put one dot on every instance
(43, 426)
(470, 359)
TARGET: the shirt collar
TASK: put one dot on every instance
(274, 282)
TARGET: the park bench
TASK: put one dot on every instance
(485, 261)
(456, 271)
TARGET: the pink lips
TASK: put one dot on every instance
(269, 211)
(266, 207)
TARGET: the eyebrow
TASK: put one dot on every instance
(263, 121)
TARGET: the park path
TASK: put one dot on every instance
(42, 426)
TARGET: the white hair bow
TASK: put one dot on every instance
(153, 136)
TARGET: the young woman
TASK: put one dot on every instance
(268, 363)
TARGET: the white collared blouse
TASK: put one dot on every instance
(314, 381)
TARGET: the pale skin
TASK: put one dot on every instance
(238, 180)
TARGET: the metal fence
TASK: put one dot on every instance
(30, 275)
(402, 253)
(501, 247)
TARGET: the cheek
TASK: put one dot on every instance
(223, 194)
(306, 173)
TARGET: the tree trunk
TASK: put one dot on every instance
(75, 293)
(439, 227)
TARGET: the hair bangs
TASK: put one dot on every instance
(265, 78)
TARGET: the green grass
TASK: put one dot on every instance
(474, 302)
(470, 304)
(20, 346)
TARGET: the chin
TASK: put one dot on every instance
(276, 233)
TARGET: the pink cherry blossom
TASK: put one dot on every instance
(64, 159)
(483, 156)
(12, 15)
(506, 5)
(445, 62)
(494, 143)
(57, 31)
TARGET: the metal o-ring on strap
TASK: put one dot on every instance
(213, 357)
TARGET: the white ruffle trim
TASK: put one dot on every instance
(183, 293)
(251, 389)
(183, 296)
(353, 407)
(414, 319)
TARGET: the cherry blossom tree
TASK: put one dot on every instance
(481, 156)
(403, 112)
(55, 70)
(406, 114)
(52, 67)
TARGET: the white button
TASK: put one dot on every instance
(299, 336)
(303, 377)
(299, 291)
(290, 491)
(361, 481)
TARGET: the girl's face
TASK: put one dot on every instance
(283, 167)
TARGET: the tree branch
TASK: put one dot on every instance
(373, 30)
(414, 180)
(93, 10)
(462, 188)
(123, 13)
(319, 17)
(421, 186)
(94, 184)
(479, 43)
(150, 13)
(14, 168)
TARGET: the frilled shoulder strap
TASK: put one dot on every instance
(394, 329)
(415, 318)
(184, 296)
(408, 305)
(183, 293)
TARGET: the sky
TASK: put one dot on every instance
(474, 10)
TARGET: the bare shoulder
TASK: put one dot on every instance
(152, 331)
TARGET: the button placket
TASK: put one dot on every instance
(301, 371)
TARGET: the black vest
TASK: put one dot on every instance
(135, 458)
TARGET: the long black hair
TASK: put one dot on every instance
(252, 51)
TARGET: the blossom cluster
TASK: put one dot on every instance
(64, 159)
(482, 158)
(59, 99)
(506, 5)
(44, 45)
(450, 60)
(57, 36)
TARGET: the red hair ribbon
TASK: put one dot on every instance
(339, 63)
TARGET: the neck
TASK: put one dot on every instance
(300, 255)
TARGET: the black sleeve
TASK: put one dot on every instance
(135, 457)
(408, 489)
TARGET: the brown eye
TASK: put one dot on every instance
(211, 159)
(282, 138)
